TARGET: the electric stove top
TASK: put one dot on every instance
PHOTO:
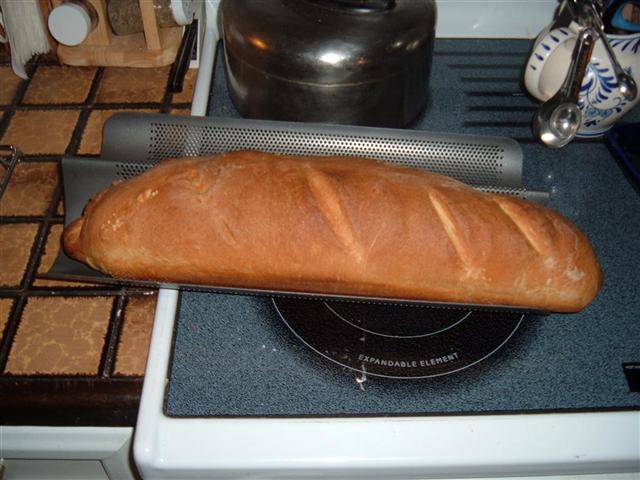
(238, 356)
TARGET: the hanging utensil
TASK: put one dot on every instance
(626, 84)
(557, 120)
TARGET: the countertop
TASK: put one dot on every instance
(70, 354)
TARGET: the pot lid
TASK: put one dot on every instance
(328, 41)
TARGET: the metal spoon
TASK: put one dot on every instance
(557, 120)
(626, 84)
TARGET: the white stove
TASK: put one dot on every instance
(554, 445)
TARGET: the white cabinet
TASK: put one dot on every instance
(87, 453)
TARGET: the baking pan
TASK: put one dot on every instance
(133, 143)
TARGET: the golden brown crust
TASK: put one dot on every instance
(334, 225)
(71, 239)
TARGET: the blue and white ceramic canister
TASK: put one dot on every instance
(601, 102)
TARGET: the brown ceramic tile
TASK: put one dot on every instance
(51, 249)
(60, 335)
(9, 83)
(49, 255)
(180, 111)
(30, 189)
(186, 95)
(40, 131)
(91, 142)
(16, 240)
(126, 85)
(136, 333)
(5, 310)
(59, 84)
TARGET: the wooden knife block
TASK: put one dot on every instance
(153, 48)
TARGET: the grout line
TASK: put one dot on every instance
(34, 257)
(22, 88)
(181, 105)
(40, 241)
(17, 99)
(27, 278)
(43, 106)
(110, 347)
(76, 135)
(128, 106)
(6, 219)
(81, 106)
(4, 121)
(10, 331)
(20, 297)
(95, 85)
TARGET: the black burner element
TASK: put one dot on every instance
(397, 341)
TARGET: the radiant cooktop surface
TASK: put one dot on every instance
(245, 356)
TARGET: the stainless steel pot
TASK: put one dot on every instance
(360, 62)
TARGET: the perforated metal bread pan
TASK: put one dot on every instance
(133, 143)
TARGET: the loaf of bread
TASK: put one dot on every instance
(336, 225)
